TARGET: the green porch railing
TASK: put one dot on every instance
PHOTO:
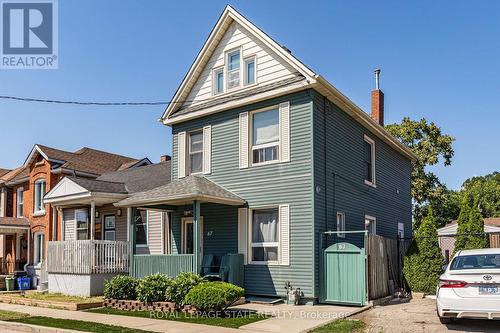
(169, 264)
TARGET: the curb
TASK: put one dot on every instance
(20, 327)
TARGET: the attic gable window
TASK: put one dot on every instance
(233, 69)
(249, 74)
(218, 80)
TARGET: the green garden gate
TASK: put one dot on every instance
(343, 275)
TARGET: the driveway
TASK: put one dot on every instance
(418, 315)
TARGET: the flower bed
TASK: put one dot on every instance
(130, 305)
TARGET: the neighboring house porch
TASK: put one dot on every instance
(14, 233)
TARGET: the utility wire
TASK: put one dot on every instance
(38, 100)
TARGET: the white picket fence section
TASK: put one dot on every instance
(88, 257)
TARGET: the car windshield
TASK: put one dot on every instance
(476, 261)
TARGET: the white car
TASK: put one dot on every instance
(470, 286)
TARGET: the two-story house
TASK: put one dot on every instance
(28, 222)
(267, 156)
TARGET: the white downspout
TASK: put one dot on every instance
(28, 255)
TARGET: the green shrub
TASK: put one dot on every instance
(121, 287)
(213, 295)
(181, 285)
(424, 261)
(152, 288)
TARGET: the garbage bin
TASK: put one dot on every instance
(24, 283)
(9, 283)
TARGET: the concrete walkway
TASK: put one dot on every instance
(286, 318)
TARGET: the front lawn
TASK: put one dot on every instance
(235, 319)
(56, 297)
(341, 326)
(78, 325)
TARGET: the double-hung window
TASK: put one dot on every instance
(249, 71)
(218, 80)
(265, 136)
(233, 69)
(265, 235)
(141, 227)
(369, 161)
(40, 186)
(109, 227)
(82, 224)
(196, 152)
(19, 203)
(39, 241)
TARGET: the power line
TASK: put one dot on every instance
(38, 100)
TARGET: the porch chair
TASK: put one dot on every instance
(222, 274)
(207, 264)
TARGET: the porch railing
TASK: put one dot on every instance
(87, 257)
(170, 264)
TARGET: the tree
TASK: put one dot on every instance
(430, 146)
(423, 263)
(486, 190)
(470, 230)
(445, 209)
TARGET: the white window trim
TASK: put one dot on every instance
(147, 232)
(251, 147)
(215, 71)
(374, 221)
(184, 222)
(39, 249)
(252, 57)
(263, 244)
(188, 151)
(402, 230)
(41, 211)
(19, 212)
(226, 69)
(372, 143)
(76, 222)
(340, 226)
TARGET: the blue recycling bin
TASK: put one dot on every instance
(24, 283)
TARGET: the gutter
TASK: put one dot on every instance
(72, 172)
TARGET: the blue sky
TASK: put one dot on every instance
(439, 60)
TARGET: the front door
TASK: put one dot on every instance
(188, 235)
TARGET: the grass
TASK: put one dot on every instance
(78, 325)
(56, 297)
(235, 320)
(341, 326)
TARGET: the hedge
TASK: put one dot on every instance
(213, 295)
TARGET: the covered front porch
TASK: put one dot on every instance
(14, 233)
(203, 230)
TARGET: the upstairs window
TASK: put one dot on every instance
(369, 161)
(233, 69)
(196, 152)
(249, 74)
(265, 136)
(40, 186)
(218, 80)
(19, 202)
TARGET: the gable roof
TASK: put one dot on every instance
(86, 159)
(310, 80)
(183, 190)
(15, 175)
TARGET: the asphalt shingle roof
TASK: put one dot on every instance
(185, 188)
(14, 221)
(93, 185)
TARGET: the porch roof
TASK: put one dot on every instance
(181, 192)
(11, 225)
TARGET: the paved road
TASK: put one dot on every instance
(416, 316)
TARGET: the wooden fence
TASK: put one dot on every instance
(378, 267)
(170, 264)
(87, 257)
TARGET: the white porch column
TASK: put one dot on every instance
(54, 223)
(92, 219)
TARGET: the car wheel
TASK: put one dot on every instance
(446, 320)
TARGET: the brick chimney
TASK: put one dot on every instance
(165, 158)
(378, 101)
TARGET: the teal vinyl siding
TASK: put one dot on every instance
(338, 173)
(266, 185)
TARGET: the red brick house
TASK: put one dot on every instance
(26, 222)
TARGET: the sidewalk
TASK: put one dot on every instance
(286, 318)
(154, 325)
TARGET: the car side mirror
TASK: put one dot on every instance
(444, 267)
